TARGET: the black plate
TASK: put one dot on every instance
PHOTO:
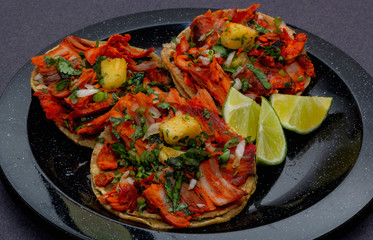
(324, 182)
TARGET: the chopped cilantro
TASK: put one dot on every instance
(63, 66)
(261, 29)
(141, 204)
(80, 127)
(173, 39)
(66, 123)
(97, 66)
(260, 75)
(282, 72)
(116, 121)
(224, 157)
(231, 70)
(140, 110)
(166, 106)
(278, 21)
(206, 113)
(100, 96)
(173, 191)
(210, 125)
(221, 50)
(116, 134)
(243, 39)
(226, 152)
(257, 45)
(138, 133)
(208, 34)
(189, 160)
(274, 51)
(62, 85)
(100, 140)
(245, 84)
(230, 143)
(120, 149)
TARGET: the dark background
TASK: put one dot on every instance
(26, 27)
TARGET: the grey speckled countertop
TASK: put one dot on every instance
(26, 27)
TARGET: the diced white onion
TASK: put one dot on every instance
(210, 147)
(200, 205)
(71, 58)
(205, 60)
(293, 70)
(282, 25)
(202, 37)
(74, 100)
(251, 95)
(198, 69)
(126, 173)
(137, 119)
(125, 178)
(237, 84)
(240, 149)
(229, 59)
(89, 86)
(152, 129)
(129, 180)
(192, 184)
(86, 92)
(217, 55)
(154, 112)
(41, 87)
(238, 70)
(121, 162)
(38, 77)
(135, 106)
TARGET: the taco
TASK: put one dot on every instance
(169, 163)
(79, 80)
(257, 54)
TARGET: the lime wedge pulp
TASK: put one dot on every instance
(270, 143)
(301, 114)
(241, 113)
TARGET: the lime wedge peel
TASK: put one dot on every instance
(241, 113)
(265, 123)
(301, 114)
(271, 143)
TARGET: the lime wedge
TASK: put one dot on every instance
(301, 114)
(270, 143)
(241, 113)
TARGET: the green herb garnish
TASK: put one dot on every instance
(260, 75)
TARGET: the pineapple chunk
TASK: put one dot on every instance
(179, 129)
(236, 36)
(114, 72)
(168, 152)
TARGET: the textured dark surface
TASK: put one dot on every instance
(27, 28)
